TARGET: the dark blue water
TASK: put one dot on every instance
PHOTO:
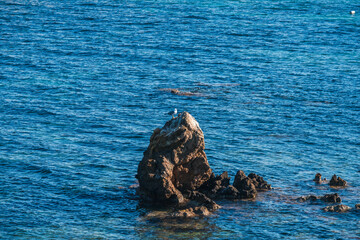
(277, 93)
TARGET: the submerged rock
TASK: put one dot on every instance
(337, 208)
(337, 181)
(308, 198)
(200, 199)
(331, 198)
(334, 198)
(174, 162)
(180, 92)
(191, 212)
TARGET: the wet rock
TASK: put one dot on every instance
(308, 198)
(244, 185)
(337, 182)
(174, 172)
(317, 178)
(334, 198)
(357, 206)
(230, 192)
(191, 212)
(249, 185)
(174, 162)
(259, 182)
(200, 199)
(337, 208)
(240, 175)
(214, 184)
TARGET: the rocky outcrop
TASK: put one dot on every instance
(259, 182)
(215, 184)
(308, 198)
(244, 187)
(333, 197)
(200, 199)
(337, 181)
(191, 212)
(174, 162)
(337, 208)
(175, 172)
(317, 178)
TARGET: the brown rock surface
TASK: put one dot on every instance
(212, 186)
(259, 182)
(200, 199)
(244, 185)
(249, 185)
(191, 212)
(174, 172)
(174, 162)
(308, 198)
(337, 208)
(317, 178)
(337, 181)
(331, 198)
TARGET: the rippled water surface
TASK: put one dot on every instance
(277, 92)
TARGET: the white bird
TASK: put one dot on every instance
(172, 113)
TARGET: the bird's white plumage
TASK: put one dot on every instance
(172, 113)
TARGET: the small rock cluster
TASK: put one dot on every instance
(330, 198)
(337, 208)
(334, 182)
(337, 181)
(333, 198)
(175, 172)
(244, 187)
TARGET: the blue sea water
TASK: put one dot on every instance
(277, 93)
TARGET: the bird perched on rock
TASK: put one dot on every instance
(172, 113)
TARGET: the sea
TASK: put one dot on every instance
(274, 85)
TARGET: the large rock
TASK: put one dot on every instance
(174, 162)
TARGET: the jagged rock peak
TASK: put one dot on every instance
(174, 162)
